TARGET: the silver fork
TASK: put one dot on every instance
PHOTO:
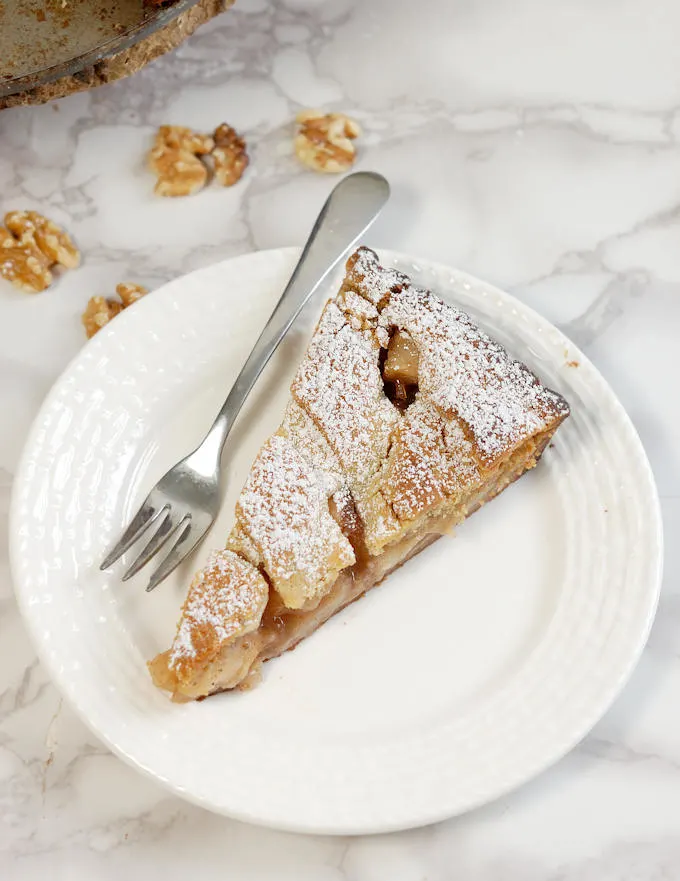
(185, 501)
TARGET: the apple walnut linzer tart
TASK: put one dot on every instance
(404, 419)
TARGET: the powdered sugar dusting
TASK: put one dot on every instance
(304, 434)
(339, 384)
(284, 509)
(465, 372)
(431, 461)
(226, 599)
(360, 313)
(342, 439)
(375, 282)
(462, 371)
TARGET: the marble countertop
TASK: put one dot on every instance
(533, 143)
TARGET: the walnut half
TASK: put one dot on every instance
(174, 159)
(324, 141)
(23, 264)
(229, 155)
(52, 240)
(100, 310)
(30, 245)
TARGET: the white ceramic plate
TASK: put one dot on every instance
(470, 670)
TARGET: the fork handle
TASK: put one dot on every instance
(348, 212)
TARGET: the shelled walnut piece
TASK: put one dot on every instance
(30, 246)
(324, 141)
(174, 158)
(100, 310)
(229, 155)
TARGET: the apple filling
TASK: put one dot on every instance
(400, 370)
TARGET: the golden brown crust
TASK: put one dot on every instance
(358, 476)
(430, 461)
(225, 601)
(283, 509)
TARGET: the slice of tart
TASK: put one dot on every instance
(404, 419)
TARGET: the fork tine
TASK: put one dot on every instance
(168, 526)
(177, 552)
(139, 524)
